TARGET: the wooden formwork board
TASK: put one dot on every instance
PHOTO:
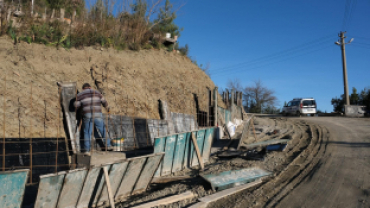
(13, 184)
(86, 188)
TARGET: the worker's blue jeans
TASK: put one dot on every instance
(99, 123)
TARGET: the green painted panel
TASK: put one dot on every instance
(159, 144)
(49, 190)
(169, 155)
(200, 142)
(229, 179)
(12, 188)
(208, 144)
(72, 188)
(179, 153)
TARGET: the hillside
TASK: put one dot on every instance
(132, 82)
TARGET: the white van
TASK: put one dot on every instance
(300, 106)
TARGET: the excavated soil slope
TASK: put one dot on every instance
(132, 82)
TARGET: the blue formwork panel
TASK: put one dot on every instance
(232, 178)
(159, 144)
(12, 188)
(49, 190)
(200, 142)
(169, 153)
(208, 139)
(179, 152)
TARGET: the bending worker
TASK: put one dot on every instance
(91, 101)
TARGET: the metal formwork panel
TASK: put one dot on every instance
(200, 141)
(159, 144)
(99, 186)
(208, 139)
(93, 176)
(12, 188)
(49, 190)
(147, 173)
(169, 153)
(68, 95)
(116, 174)
(229, 179)
(179, 153)
(72, 187)
(129, 180)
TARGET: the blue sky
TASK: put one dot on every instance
(287, 44)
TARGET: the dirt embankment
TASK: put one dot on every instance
(131, 81)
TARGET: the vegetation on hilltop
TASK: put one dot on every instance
(104, 23)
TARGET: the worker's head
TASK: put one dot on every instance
(86, 86)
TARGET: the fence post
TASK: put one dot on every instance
(215, 94)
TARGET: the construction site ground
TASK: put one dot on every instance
(325, 164)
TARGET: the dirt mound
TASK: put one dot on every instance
(131, 81)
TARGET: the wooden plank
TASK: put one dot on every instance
(93, 176)
(225, 193)
(186, 162)
(72, 188)
(129, 180)
(49, 190)
(159, 144)
(169, 153)
(99, 186)
(197, 151)
(147, 173)
(116, 174)
(179, 153)
(168, 200)
(200, 142)
(232, 178)
(109, 188)
(208, 139)
(12, 188)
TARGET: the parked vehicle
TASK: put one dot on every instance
(300, 106)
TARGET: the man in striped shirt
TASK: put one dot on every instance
(91, 100)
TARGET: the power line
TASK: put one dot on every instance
(244, 69)
(276, 55)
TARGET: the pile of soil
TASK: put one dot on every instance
(131, 81)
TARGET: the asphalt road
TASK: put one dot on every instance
(343, 177)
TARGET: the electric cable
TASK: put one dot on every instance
(296, 49)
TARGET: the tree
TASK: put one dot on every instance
(354, 97)
(165, 21)
(338, 104)
(235, 84)
(260, 96)
(285, 104)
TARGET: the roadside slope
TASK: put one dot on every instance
(132, 82)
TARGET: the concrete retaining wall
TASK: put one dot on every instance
(354, 110)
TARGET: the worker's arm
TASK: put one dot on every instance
(104, 103)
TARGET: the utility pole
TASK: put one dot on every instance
(342, 43)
